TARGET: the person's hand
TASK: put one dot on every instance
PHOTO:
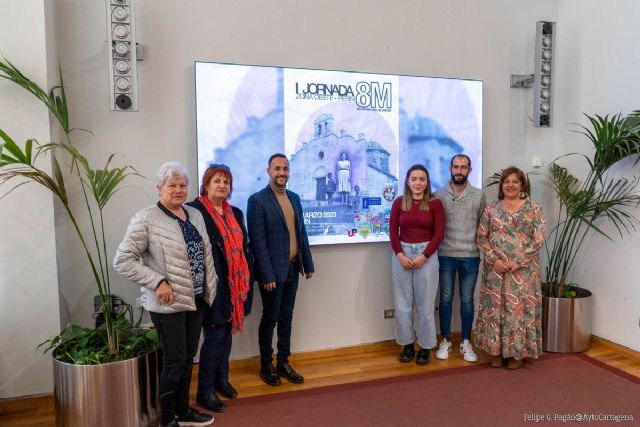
(513, 266)
(405, 262)
(269, 286)
(308, 274)
(419, 261)
(501, 266)
(164, 293)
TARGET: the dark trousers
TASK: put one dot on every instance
(214, 357)
(277, 310)
(178, 335)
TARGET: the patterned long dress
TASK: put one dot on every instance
(510, 310)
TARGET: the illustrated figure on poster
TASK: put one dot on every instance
(356, 198)
(331, 188)
(344, 178)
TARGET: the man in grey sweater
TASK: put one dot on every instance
(458, 253)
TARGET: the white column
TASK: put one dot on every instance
(29, 303)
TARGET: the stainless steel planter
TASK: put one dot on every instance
(567, 323)
(124, 394)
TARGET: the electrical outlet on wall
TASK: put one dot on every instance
(389, 313)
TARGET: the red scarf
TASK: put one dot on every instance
(238, 277)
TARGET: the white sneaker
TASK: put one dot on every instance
(467, 351)
(443, 350)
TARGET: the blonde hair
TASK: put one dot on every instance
(407, 197)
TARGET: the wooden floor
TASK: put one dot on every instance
(320, 368)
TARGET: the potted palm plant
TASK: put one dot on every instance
(596, 203)
(107, 375)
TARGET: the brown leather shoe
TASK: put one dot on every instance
(497, 361)
(514, 364)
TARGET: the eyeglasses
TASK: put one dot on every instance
(219, 166)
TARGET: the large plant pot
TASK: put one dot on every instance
(124, 394)
(567, 323)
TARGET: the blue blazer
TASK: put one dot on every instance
(269, 237)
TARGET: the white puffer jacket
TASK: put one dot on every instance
(153, 249)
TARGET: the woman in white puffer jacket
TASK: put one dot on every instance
(166, 250)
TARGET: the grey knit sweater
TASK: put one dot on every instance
(463, 214)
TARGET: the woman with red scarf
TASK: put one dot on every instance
(233, 263)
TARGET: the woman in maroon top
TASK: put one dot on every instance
(416, 228)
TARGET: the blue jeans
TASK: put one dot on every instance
(419, 287)
(214, 357)
(467, 269)
(277, 310)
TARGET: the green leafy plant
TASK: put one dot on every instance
(19, 166)
(594, 202)
(86, 346)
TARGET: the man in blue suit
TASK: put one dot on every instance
(281, 252)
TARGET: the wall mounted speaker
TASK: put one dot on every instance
(543, 81)
(122, 55)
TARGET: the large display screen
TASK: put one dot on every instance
(349, 137)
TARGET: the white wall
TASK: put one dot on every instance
(343, 303)
(599, 68)
(29, 311)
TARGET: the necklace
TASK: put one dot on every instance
(512, 206)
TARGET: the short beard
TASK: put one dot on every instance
(459, 181)
(275, 184)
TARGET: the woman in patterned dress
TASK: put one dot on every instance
(510, 236)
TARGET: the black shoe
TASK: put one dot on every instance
(194, 418)
(269, 375)
(173, 423)
(211, 402)
(226, 389)
(407, 353)
(423, 356)
(286, 370)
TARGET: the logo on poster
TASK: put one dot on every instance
(389, 193)
(373, 96)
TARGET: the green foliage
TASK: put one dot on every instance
(598, 199)
(55, 100)
(19, 166)
(89, 346)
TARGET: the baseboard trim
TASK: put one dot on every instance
(628, 352)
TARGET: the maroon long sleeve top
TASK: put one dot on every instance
(416, 226)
